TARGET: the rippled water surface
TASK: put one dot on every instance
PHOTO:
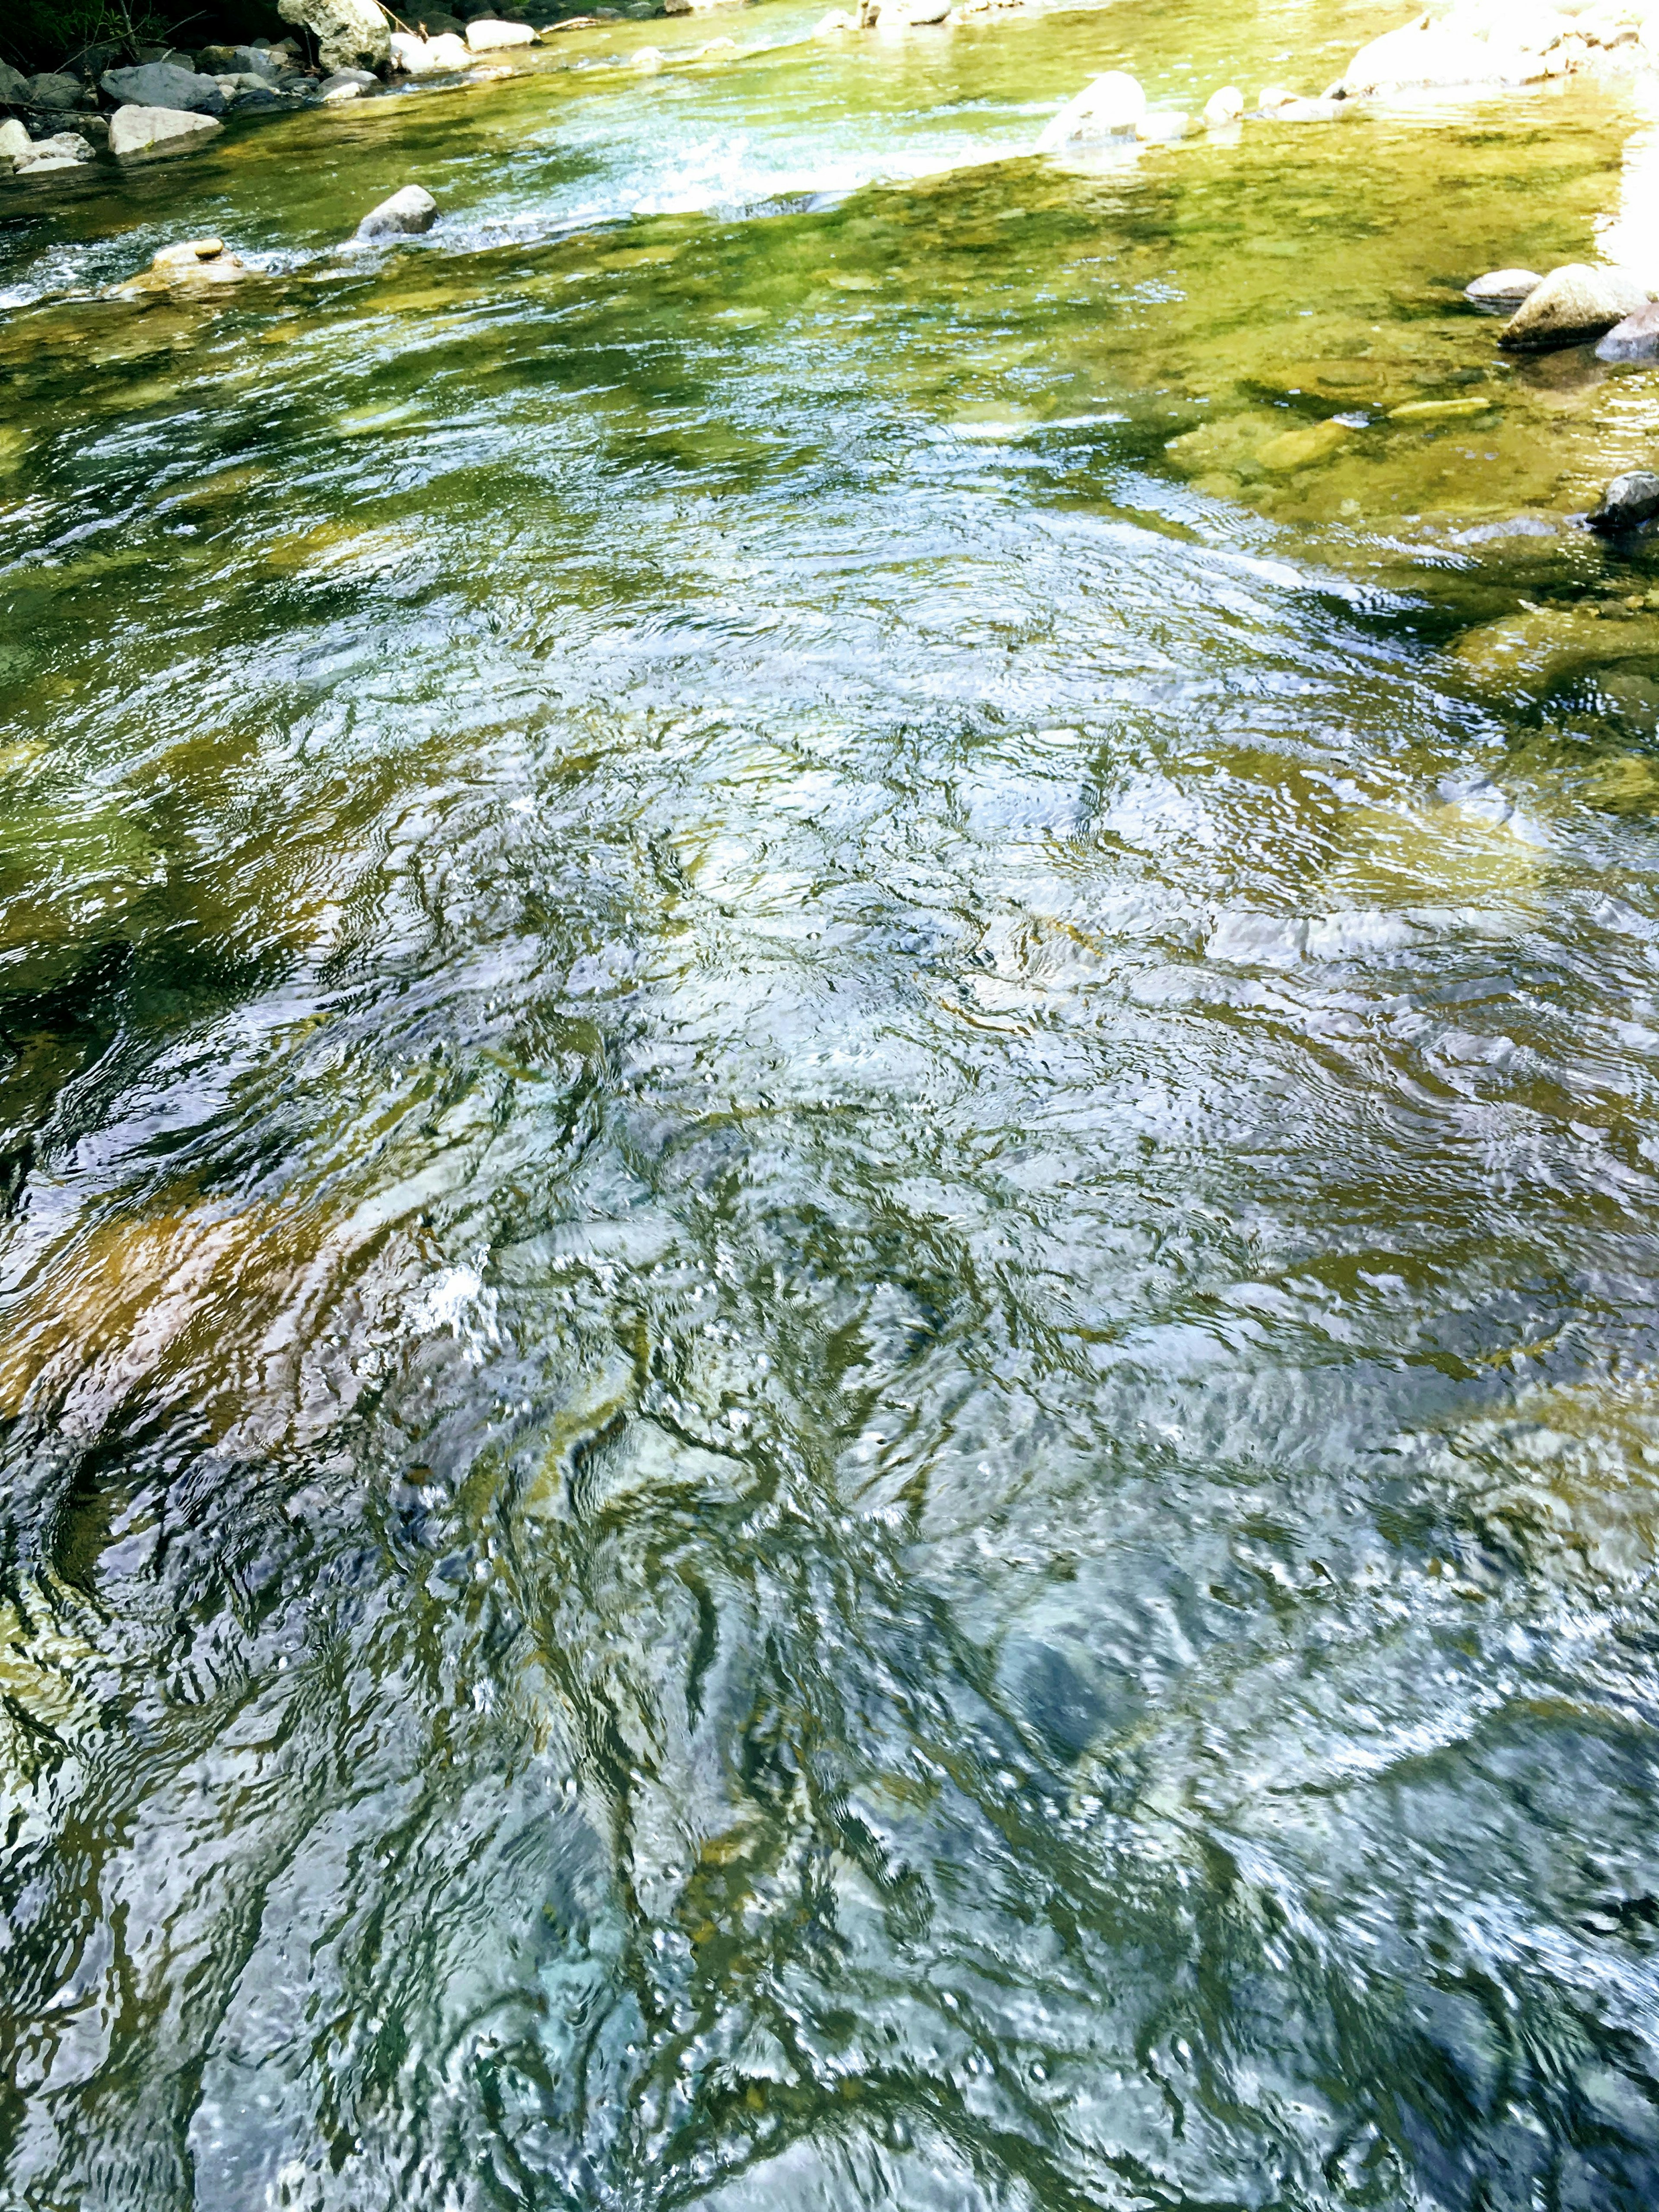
(829, 1353)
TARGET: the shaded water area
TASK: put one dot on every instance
(829, 1298)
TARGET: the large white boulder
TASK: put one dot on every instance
(155, 134)
(418, 56)
(1108, 107)
(349, 33)
(486, 35)
(1427, 52)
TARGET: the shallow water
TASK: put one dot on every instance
(830, 1311)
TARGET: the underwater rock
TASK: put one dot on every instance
(1637, 338)
(1111, 105)
(648, 60)
(155, 134)
(159, 84)
(1312, 111)
(1501, 288)
(349, 33)
(488, 34)
(1573, 303)
(1628, 502)
(830, 26)
(1223, 107)
(1300, 449)
(1538, 649)
(1272, 97)
(408, 214)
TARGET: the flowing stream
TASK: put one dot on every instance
(828, 1330)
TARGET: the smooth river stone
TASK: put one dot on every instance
(407, 214)
(1637, 338)
(1503, 288)
(1112, 104)
(1300, 449)
(486, 36)
(1573, 303)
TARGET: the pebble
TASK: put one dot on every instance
(1223, 107)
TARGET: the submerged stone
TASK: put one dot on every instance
(1300, 449)
(1573, 303)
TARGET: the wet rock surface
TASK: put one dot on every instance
(1573, 303)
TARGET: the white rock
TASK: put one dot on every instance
(333, 95)
(1223, 107)
(66, 151)
(155, 134)
(14, 141)
(408, 214)
(486, 36)
(1111, 105)
(1272, 96)
(1501, 288)
(448, 50)
(832, 25)
(1159, 127)
(1312, 111)
(648, 60)
(1427, 53)
(349, 33)
(925, 11)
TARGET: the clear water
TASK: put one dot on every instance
(829, 1344)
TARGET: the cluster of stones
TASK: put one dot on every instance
(1479, 43)
(169, 102)
(166, 103)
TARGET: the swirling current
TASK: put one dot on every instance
(829, 1356)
